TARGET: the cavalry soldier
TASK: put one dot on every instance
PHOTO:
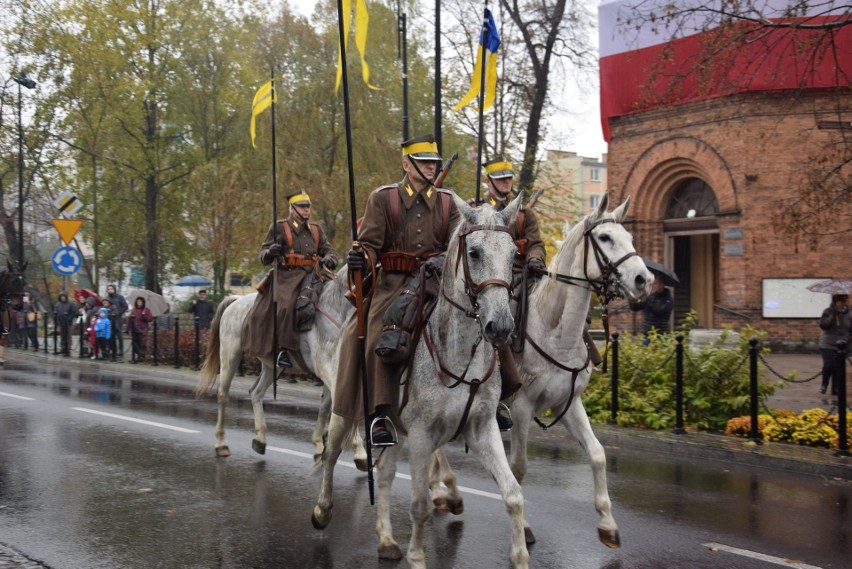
(294, 248)
(499, 179)
(404, 225)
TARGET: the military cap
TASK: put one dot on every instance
(421, 148)
(499, 168)
(299, 198)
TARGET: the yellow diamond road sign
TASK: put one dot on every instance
(67, 228)
(67, 203)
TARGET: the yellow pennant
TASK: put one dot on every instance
(362, 23)
(263, 99)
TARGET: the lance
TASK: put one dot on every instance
(274, 240)
(359, 293)
(484, 46)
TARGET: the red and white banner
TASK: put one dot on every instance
(648, 60)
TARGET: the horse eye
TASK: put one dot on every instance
(474, 254)
(605, 238)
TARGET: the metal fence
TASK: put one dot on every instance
(681, 356)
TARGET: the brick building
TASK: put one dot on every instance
(706, 170)
(731, 161)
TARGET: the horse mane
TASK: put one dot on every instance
(549, 288)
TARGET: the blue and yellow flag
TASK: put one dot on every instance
(493, 43)
(362, 22)
(263, 99)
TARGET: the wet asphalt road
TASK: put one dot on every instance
(102, 469)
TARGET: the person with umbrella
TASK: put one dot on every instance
(657, 308)
(835, 324)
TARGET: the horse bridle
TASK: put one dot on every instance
(472, 290)
(606, 286)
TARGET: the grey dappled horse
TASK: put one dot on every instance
(451, 360)
(319, 351)
(554, 365)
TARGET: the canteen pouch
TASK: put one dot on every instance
(306, 302)
(400, 318)
(394, 345)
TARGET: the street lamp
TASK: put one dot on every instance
(23, 81)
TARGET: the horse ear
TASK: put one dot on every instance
(620, 212)
(510, 212)
(601, 210)
(465, 210)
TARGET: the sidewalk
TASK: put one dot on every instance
(699, 445)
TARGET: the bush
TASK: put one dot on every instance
(812, 427)
(716, 383)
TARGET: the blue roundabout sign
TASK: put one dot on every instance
(67, 260)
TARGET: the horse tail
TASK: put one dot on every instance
(210, 367)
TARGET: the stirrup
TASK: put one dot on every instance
(504, 418)
(385, 437)
(283, 360)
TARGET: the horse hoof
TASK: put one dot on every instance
(315, 521)
(609, 538)
(528, 536)
(456, 507)
(440, 504)
(222, 452)
(258, 447)
(362, 464)
(392, 552)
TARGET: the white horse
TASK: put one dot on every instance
(454, 386)
(319, 352)
(555, 367)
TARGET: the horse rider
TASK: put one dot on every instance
(405, 225)
(295, 248)
(499, 179)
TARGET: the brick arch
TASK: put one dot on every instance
(655, 174)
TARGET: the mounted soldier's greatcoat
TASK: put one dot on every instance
(421, 227)
(304, 245)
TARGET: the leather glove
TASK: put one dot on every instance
(355, 260)
(273, 252)
(329, 263)
(434, 265)
(536, 265)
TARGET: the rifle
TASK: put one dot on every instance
(534, 198)
(445, 169)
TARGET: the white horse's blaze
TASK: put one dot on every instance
(319, 349)
(434, 412)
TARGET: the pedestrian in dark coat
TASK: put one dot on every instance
(203, 310)
(835, 325)
(426, 218)
(119, 309)
(64, 312)
(658, 309)
(295, 248)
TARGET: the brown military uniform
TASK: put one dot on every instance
(256, 335)
(528, 239)
(420, 216)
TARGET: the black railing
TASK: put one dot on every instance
(753, 356)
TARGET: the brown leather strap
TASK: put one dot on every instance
(288, 233)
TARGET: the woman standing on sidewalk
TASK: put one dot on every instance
(835, 323)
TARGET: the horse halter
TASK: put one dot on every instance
(607, 285)
(472, 289)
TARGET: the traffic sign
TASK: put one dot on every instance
(67, 228)
(66, 260)
(67, 203)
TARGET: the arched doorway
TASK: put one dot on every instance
(692, 248)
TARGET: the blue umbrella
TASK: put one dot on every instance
(194, 280)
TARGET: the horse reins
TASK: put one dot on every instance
(601, 287)
(472, 290)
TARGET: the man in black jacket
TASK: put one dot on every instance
(64, 313)
(119, 305)
(203, 310)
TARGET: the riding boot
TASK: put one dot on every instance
(510, 378)
(382, 429)
(283, 360)
(2, 354)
